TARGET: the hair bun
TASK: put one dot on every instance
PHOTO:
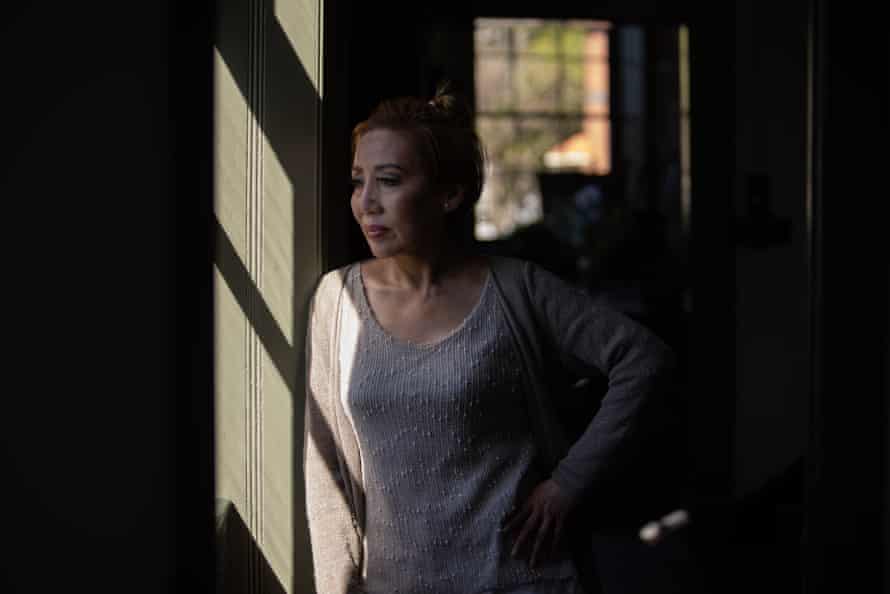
(449, 108)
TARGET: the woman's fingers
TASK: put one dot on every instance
(557, 534)
(541, 519)
(527, 528)
(516, 519)
(540, 536)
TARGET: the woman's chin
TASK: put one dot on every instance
(381, 250)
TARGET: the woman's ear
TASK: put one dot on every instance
(453, 199)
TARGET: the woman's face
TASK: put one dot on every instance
(392, 198)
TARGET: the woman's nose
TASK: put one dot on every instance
(368, 198)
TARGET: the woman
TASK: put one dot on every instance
(433, 459)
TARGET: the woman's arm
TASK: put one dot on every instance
(591, 338)
(336, 546)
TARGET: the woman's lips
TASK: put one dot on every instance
(375, 231)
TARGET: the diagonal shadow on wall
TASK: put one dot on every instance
(290, 123)
(288, 362)
(234, 544)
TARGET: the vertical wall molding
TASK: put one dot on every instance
(267, 198)
(253, 439)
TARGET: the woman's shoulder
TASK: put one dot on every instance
(334, 279)
(327, 291)
(508, 266)
(524, 271)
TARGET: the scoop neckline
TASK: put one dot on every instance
(372, 316)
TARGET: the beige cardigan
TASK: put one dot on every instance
(555, 325)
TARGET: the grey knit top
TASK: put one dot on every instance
(447, 451)
(549, 321)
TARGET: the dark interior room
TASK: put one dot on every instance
(178, 180)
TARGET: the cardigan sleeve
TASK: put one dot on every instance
(591, 336)
(336, 546)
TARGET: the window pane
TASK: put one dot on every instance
(585, 146)
(535, 81)
(598, 132)
(533, 138)
(596, 88)
(538, 85)
(533, 36)
(493, 88)
(574, 38)
(491, 35)
(496, 134)
(510, 199)
(572, 96)
(545, 40)
(596, 45)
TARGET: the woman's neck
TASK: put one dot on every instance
(426, 273)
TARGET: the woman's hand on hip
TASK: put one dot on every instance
(539, 522)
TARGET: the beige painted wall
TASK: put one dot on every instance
(268, 102)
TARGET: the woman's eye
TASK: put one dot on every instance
(388, 181)
(355, 182)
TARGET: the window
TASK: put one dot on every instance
(543, 105)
